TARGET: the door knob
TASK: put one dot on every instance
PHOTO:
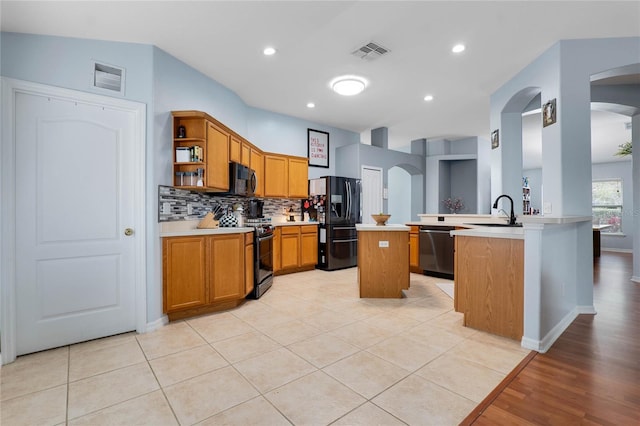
(128, 232)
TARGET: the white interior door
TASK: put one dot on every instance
(74, 272)
(371, 192)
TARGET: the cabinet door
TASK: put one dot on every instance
(414, 252)
(309, 245)
(277, 258)
(248, 268)
(290, 247)
(235, 148)
(298, 178)
(226, 273)
(183, 273)
(217, 157)
(276, 175)
(257, 165)
(245, 154)
(289, 252)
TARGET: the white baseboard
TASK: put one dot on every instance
(617, 250)
(543, 345)
(157, 324)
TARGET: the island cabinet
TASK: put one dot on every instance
(414, 249)
(286, 176)
(489, 284)
(383, 260)
(205, 273)
(295, 248)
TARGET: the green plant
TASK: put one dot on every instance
(625, 149)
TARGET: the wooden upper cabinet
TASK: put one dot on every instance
(235, 149)
(257, 165)
(184, 270)
(217, 157)
(298, 177)
(276, 175)
(245, 154)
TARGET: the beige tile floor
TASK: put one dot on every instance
(309, 352)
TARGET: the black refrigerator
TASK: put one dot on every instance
(335, 202)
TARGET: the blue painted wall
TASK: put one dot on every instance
(163, 83)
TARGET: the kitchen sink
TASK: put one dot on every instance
(517, 225)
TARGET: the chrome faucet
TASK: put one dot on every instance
(512, 216)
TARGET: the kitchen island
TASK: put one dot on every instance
(383, 260)
(489, 279)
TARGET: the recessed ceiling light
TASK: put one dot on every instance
(428, 98)
(348, 85)
(269, 51)
(311, 105)
(458, 48)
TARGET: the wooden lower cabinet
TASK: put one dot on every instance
(308, 245)
(489, 284)
(295, 248)
(183, 273)
(249, 263)
(205, 273)
(226, 271)
(383, 263)
(414, 249)
(290, 247)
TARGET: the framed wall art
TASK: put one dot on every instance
(495, 139)
(318, 148)
(549, 113)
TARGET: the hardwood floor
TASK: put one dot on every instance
(591, 375)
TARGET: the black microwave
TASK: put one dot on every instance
(242, 180)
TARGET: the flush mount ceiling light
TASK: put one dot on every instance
(268, 51)
(428, 98)
(348, 85)
(458, 48)
(311, 105)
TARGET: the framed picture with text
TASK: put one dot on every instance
(318, 148)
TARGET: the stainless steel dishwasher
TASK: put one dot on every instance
(436, 251)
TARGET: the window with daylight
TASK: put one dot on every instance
(606, 198)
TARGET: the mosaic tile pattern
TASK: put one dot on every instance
(180, 204)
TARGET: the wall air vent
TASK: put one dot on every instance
(108, 77)
(370, 51)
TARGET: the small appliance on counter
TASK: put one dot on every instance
(255, 209)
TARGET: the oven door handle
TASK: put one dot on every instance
(265, 238)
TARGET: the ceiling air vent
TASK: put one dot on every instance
(370, 51)
(108, 77)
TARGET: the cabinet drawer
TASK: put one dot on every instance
(248, 238)
(290, 230)
(308, 229)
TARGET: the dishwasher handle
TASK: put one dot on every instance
(433, 231)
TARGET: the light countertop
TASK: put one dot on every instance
(189, 227)
(513, 233)
(389, 227)
(297, 222)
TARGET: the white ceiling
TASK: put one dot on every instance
(225, 39)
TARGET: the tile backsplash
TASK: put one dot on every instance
(181, 204)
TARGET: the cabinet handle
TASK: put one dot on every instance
(128, 232)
